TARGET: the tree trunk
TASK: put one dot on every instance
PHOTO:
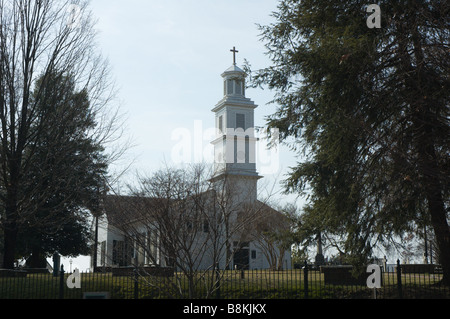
(442, 232)
(424, 120)
(10, 230)
(436, 205)
(430, 175)
(10, 242)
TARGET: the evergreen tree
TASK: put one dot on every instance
(66, 174)
(369, 110)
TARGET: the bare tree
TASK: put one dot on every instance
(273, 231)
(182, 219)
(39, 39)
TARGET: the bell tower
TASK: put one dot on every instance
(235, 142)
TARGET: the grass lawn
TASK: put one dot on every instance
(260, 284)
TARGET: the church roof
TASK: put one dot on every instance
(234, 68)
(126, 210)
(121, 210)
(269, 220)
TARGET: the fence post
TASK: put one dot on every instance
(217, 286)
(136, 283)
(61, 283)
(399, 279)
(305, 279)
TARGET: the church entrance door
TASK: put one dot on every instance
(241, 257)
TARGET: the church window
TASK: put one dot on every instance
(238, 87)
(229, 87)
(253, 254)
(122, 252)
(240, 121)
(221, 124)
(133, 251)
(151, 247)
(117, 256)
(247, 150)
(102, 253)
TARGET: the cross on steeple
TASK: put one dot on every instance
(234, 55)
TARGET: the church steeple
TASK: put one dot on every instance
(235, 142)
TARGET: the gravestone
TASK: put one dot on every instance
(96, 295)
(319, 260)
(418, 268)
(56, 264)
(342, 275)
(36, 270)
(12, 273)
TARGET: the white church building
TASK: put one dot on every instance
(234, 170)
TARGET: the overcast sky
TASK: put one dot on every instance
(167, 57)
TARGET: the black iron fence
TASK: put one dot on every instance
(332, 283)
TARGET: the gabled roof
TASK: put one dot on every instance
(124, 210)
(121, 210)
